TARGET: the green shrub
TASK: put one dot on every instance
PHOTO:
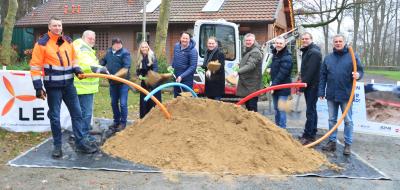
(162, 65)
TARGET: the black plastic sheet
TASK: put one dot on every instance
(40, 156)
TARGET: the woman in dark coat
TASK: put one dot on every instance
(215, 80)
(146, 61)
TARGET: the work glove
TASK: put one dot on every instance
(101, 70)
(79, 73)
(40, 93)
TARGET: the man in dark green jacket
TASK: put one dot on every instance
(250, 71)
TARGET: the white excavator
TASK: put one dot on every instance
(227, 34)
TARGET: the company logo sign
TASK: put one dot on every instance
(10, 103)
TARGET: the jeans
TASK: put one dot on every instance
(86, 102)
(251, 104)
(69, 96)
(311, 97)
(333, 108)
(280, 116)
(119, 103)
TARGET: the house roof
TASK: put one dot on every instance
(128, 12)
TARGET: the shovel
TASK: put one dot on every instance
(153, 78)
(183, 93)
(287, 106)
(296, 112)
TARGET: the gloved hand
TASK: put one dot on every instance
(101, 70)
(40, 93)
(208, 74)
(79, 73)
(142, 77)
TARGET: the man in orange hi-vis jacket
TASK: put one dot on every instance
(53, 58)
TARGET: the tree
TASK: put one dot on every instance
(9, 22)
(162, 31)
(356, 16)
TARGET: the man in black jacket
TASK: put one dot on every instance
(310, 65)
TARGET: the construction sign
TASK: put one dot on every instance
(20, 110)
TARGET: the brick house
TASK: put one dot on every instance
(123, 18)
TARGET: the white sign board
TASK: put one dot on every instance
(360, 120)
(20, 110)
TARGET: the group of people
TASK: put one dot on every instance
(329, 78)
(56, 59)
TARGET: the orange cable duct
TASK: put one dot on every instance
(133, 85)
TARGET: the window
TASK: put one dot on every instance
(225, 36)
(213, 5)
(139, 38)
(151, 6)
(102, 41)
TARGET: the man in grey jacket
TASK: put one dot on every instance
(250, 71)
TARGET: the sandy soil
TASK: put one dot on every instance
(211, 136)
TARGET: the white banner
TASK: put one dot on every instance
(360, 120)
(20, 111)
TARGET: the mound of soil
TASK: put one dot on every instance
(379, 108)
(212, 136)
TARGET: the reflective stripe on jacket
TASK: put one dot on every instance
(54, 62)
(86, 58)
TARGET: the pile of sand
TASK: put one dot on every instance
(212, 136)
(378, 111)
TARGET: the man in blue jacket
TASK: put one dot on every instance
(184, 61)
(118, 62)
(336, 78)
(281, 68)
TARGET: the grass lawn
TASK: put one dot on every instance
(13, 144)
(394, 75)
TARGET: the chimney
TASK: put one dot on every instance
(65, 9)
(79, 9)
(73, 9)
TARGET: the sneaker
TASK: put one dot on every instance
(57, 152)
(347, 149)
(87, 148)
(91, 138)
(330, 146)
(109, 133)
(113, 126)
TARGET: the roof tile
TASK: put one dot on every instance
(128, 12)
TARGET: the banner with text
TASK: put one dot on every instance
(20, 110)
(360, 120)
